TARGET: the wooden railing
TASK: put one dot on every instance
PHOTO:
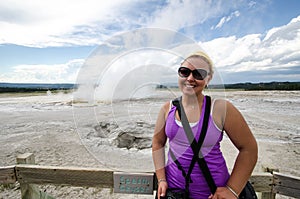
(29, 175)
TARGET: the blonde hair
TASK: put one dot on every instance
(204, 57)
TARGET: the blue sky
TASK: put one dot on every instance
(249, 41)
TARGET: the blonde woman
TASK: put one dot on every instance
(194, 74)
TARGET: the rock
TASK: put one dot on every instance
(125, 140)
(103, 129)
(143, 143)
(129, 140)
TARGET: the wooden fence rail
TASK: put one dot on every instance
(28, 174)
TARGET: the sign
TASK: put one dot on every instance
(133, 183)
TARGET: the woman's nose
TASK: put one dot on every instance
(190, 77)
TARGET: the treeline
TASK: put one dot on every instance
(265, 86)
(249, 86)
(27, 90)
(11, 87)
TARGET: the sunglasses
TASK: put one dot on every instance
(199, 74)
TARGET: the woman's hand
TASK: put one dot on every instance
(162, 189)
(222, 193)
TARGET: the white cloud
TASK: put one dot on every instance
(224, 20)
(278, 50)
(180, 14)
(58, 73)
(66, 22)
(185, 12)
(50, 23)
(252, 4)
(274, 52)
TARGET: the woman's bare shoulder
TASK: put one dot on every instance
(220, 104)
(166, 106)
(218, 111)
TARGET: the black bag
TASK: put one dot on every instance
(248, 192)
(174, 194)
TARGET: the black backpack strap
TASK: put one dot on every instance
(208, 177)
(177, 163)
(200, 158)
(196, 146)
(176, 103)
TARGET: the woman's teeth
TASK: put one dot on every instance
(189, 86)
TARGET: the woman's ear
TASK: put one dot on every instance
(208, 80)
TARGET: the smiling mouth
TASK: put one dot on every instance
(190, 86)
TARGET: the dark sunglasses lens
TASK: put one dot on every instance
(199, 74)
(184, 72)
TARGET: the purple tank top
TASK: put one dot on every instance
(180, 146)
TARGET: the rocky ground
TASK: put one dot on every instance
(114, 136)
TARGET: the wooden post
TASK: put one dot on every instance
(267, 195)
(26, 158)
(271, 194)
(29, 191)
(7, 175)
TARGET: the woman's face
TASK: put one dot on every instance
(190, 85)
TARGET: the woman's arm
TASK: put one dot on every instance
(158, 150)
(241, 136)
(228, 117)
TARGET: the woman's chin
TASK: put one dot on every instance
(189, 92)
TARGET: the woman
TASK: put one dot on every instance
(194, 75)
